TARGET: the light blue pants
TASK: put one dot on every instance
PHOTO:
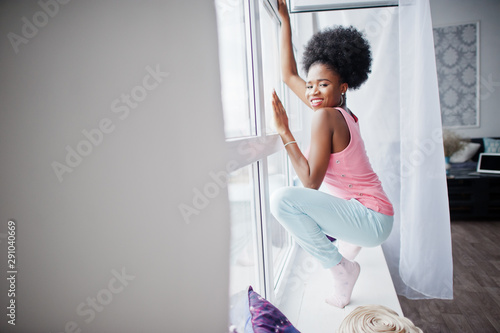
(309, 214)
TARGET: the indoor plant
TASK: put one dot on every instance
(452, 143)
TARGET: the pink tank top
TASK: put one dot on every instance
(350, 174)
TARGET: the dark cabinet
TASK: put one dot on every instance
(473, 196)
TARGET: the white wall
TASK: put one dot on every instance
(117, 211)
(448, 12)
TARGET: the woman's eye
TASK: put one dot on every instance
(308, 87)
(324, 85)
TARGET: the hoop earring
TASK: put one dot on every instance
(342, 99)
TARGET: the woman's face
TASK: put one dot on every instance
(324, 87)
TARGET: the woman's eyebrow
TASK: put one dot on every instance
(320, 80)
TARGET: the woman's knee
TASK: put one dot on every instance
(282, 200)
(277, 201)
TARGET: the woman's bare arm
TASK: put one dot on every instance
(311, 171)
(288, 63)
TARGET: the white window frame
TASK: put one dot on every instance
(305, 6)
(256, 149)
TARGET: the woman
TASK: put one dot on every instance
(357, 211)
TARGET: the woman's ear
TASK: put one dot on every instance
(343, 87)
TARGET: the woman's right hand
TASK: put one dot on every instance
(283, 10)
(280, 116)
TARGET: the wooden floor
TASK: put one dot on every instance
(476, 303)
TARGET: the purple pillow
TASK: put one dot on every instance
(266, 318)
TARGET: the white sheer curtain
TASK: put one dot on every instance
(400, 121)
(426, 265)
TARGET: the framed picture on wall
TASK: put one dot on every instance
(457, 64)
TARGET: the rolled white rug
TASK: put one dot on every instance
(376, 319)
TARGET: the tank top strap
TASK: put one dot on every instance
(345, 113)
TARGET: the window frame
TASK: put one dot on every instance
(255, 149)
(307, 6)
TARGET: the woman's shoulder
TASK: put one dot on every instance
(329, 117)
(331, 112)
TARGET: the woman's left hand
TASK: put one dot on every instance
(280, 117)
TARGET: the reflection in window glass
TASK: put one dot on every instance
(243, 256)
(280, 238)
(231, 21)
(269, 33)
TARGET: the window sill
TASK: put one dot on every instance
(303, 300)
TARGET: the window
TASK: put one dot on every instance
(234, 67)
(250, 70)
(278, 236)
(244, 254)
(297, 6)
(269, 50)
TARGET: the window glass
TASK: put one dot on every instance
(269, 39)
(243, 254)
(231, 24)
(280, 239)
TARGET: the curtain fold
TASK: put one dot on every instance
(425, 266)
(400, 122)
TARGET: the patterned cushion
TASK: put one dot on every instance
(491, 145)
(266, 318)
(466, 153)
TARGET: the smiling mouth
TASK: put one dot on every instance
(316, 101)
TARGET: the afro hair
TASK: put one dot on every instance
(342, 49)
